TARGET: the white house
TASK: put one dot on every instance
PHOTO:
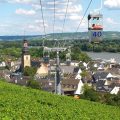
(115, 90)
(85, 65)
(74, 63)
(79, 88)
(112, 60)
(79, 71)
(42, 71)
(2, 64)
(101, 67)
(95, 65)
(78, 76)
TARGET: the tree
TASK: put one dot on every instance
(7, 67)
(82, 67)
(29, 71)
(36, 52)
(33, 84)
(75, 56)
(97, 48)
(90, 94)
(84, 73)
(112, 99)
(84, 57)
(91, 66)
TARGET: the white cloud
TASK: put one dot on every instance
(38, 21)
(75, 9)
(74, 17)
(111, 21)
(59, 3)
(35, 24)
(21, 1)
(21, 11)
(112, 4)
(58, 28)
(83, 24)
(36, 6)
(4, 25)
(71, 9)
(33, 28)
(60, 16)
(72, 12)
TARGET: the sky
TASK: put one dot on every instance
(19, 17)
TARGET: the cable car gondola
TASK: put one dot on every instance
(95, 27)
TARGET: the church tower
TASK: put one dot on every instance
(26, 61)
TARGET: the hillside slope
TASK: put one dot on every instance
(20, 103)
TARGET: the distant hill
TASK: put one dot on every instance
(109, 35)
(21, 103)
(12, 38)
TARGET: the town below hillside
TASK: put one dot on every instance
(79, 76)
(60, 60)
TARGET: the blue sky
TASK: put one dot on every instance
(17, 16)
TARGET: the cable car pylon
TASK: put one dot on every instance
(57, 48)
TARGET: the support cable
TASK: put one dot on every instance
(65, 18)
(54, 22)
(43, 21)
(83, 17)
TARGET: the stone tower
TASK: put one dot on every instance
(26, 60)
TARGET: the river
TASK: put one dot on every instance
(105, 55)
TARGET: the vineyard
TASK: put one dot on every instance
(21, 103)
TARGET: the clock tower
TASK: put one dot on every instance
(26, 60)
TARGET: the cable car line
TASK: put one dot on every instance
(54, 22)
(83, 16)
(101, 6)
(54, 19)
(43, 21)
(65, 18)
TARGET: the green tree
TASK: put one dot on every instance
(82, 67)
(91, 66)
(112, 99)
(7, 67)
(29, 71)
(84, 57)
(84, 73)
(90, 94)
(33, 84)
